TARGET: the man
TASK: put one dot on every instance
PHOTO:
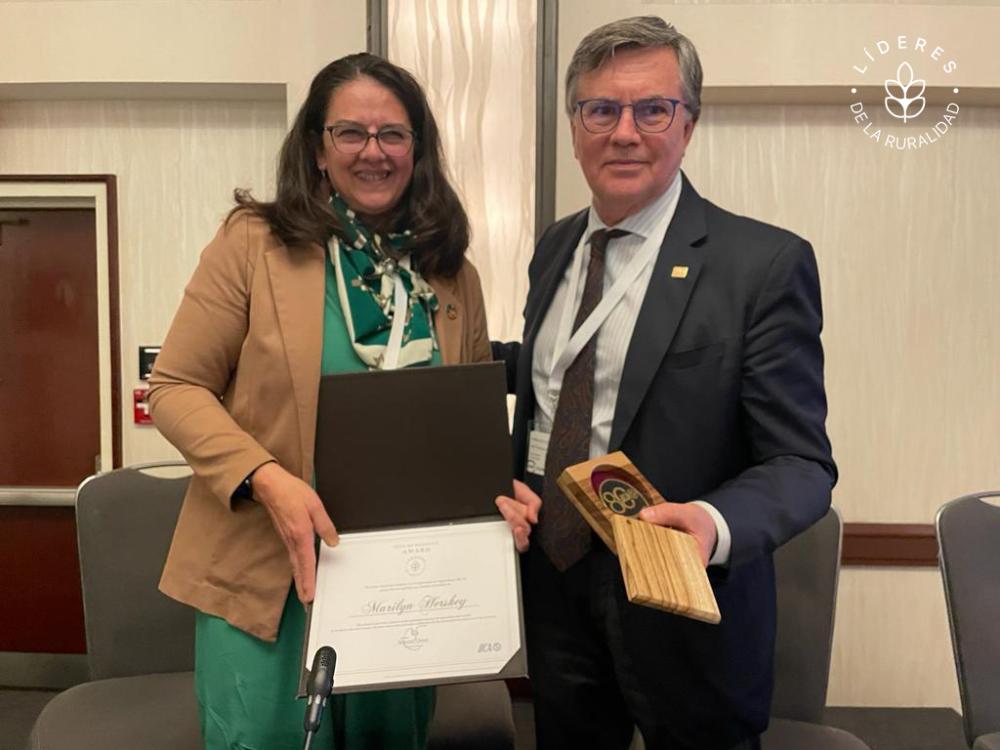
(690, 340)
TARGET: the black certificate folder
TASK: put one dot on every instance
(420, 447)
(413, 446)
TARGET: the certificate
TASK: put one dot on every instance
(419, 606)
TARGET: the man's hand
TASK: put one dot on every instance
(298, 515)
(520, 512)
(688, 517)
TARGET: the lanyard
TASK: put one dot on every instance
(563, 357)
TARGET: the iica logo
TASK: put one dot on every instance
(910, 125)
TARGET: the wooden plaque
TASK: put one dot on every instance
(661, 567)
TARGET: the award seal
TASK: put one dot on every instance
(619, 492)
(606, 487)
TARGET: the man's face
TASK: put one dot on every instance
(625, 168)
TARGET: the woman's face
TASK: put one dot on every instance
(369, 181)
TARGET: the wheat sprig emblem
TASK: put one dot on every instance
(905, 93)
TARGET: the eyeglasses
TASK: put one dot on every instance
(649, 115)
(353, 137)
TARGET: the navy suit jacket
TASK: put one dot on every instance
(721, 399)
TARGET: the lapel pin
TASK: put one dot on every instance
(679, 272)
(451, 311)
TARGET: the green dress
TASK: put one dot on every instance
(246, 687)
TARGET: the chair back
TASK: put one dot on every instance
(806, 573)
(125, 520)
(968, 532)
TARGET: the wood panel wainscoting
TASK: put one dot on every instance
(890, 544)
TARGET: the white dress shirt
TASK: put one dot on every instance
(647, 230)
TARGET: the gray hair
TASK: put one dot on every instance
(640, 32)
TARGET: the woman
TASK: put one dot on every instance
(286, 291)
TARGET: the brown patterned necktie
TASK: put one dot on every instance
(562, 532)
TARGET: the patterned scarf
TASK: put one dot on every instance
(366, 274)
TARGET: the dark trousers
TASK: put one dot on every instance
(601, 666)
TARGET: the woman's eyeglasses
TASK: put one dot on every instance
(353, 137)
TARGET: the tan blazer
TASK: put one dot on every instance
(235, 385)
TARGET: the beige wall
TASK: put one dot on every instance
(804, 42)
(906, 244)
(177, 163)
(891, 645)
(207, 41)
(151, 92)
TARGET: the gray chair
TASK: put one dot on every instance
(968, 531)
(140, 644)
(806, 571)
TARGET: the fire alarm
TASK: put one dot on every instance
(140, 406)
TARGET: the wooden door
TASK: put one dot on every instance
(49, 418)
(49, 379)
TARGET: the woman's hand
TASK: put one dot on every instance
(520, 512)
(298, 515)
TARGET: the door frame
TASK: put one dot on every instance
(100, 193)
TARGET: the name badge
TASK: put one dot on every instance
(538, 448)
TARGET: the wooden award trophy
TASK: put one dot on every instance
(661, 567)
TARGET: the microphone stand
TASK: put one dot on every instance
(318, 689)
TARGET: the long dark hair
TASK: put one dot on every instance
(430, 208)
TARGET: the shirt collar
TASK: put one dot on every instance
(645, 222)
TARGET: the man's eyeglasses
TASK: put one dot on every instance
(649, 115)
(353, 137)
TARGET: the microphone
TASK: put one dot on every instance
(318, 688)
